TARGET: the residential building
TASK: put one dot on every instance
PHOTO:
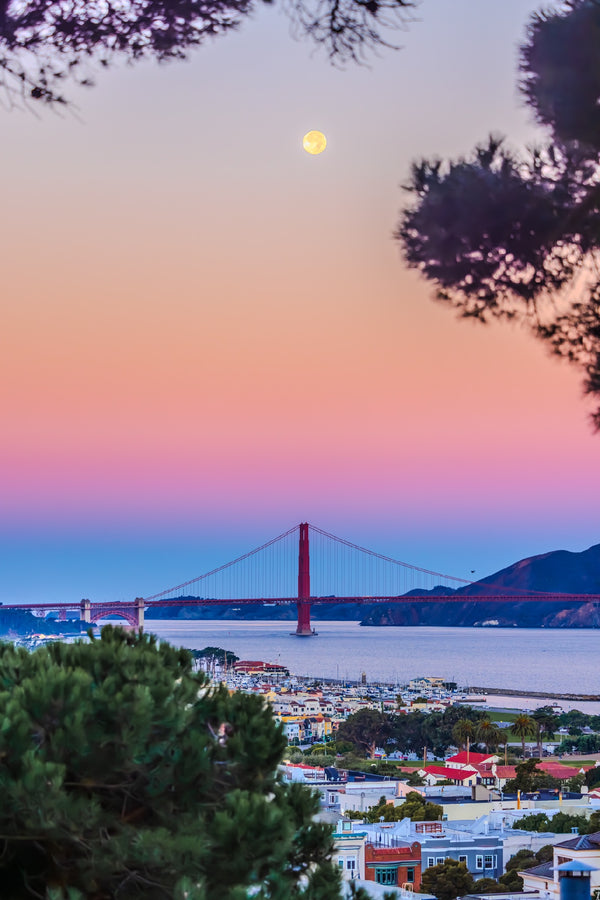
(481, 853)
(435, 774)
(466, 759)
(396, 865)
(349, 850)
(582, 848)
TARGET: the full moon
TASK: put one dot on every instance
(314, 142)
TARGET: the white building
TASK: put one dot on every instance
(349, 850)
(583, 848)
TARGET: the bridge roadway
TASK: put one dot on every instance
(117, 605)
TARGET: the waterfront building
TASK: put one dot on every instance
(257, 667)
(427, 683)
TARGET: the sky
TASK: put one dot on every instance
(209, 335)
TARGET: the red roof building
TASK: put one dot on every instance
(434, 774)
(558, 770)
(396, 866)
(257, 667)
(468, 758)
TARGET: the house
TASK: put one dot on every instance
(360, 796)
(494, 776)
(481, 853)
(504, 824)
(466, 759)
(293, 728)
(349, 850)
(560, 771)
(583, 848)
(397, 864)
(303, 773)
(434, 774)
(316, 728)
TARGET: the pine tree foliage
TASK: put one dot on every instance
(516, 235)
(45, 42)
(447, 880)
(124, 774)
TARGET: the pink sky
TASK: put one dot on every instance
(208, 335)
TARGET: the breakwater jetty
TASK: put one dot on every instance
(511, 692)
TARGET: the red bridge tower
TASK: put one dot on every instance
(304, 628)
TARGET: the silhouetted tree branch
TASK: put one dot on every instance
(45, 42)
(350, 29)
(507, 235)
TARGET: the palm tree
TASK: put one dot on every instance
(463, 733)
(489, 734)
(523, 727)
(546, 722)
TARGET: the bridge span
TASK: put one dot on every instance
(272, 575)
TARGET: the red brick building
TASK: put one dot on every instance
(397, 865)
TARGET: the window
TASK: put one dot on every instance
(488, 862)
(351, 863)
(410, 875)
(341, 863)
(440, 860)
(389, 875)
(430, 861)
(479, 862)
(463, 859)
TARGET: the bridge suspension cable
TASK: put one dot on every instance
(388, 559)
(224, 567)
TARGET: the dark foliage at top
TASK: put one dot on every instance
(507, 235)
(44, 42)
(559, 63)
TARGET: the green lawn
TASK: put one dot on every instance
(577, 763)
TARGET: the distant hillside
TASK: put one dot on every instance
(558, 572)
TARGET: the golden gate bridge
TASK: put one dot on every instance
(303, 566)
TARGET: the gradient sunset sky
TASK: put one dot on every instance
(208, 335)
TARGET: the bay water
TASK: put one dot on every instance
(557, 661)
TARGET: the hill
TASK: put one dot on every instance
(560, 571)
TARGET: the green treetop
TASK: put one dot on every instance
(125, 774)
(366, 729)
(415, 807)
(448, 880)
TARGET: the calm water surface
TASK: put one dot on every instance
(554, 660)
